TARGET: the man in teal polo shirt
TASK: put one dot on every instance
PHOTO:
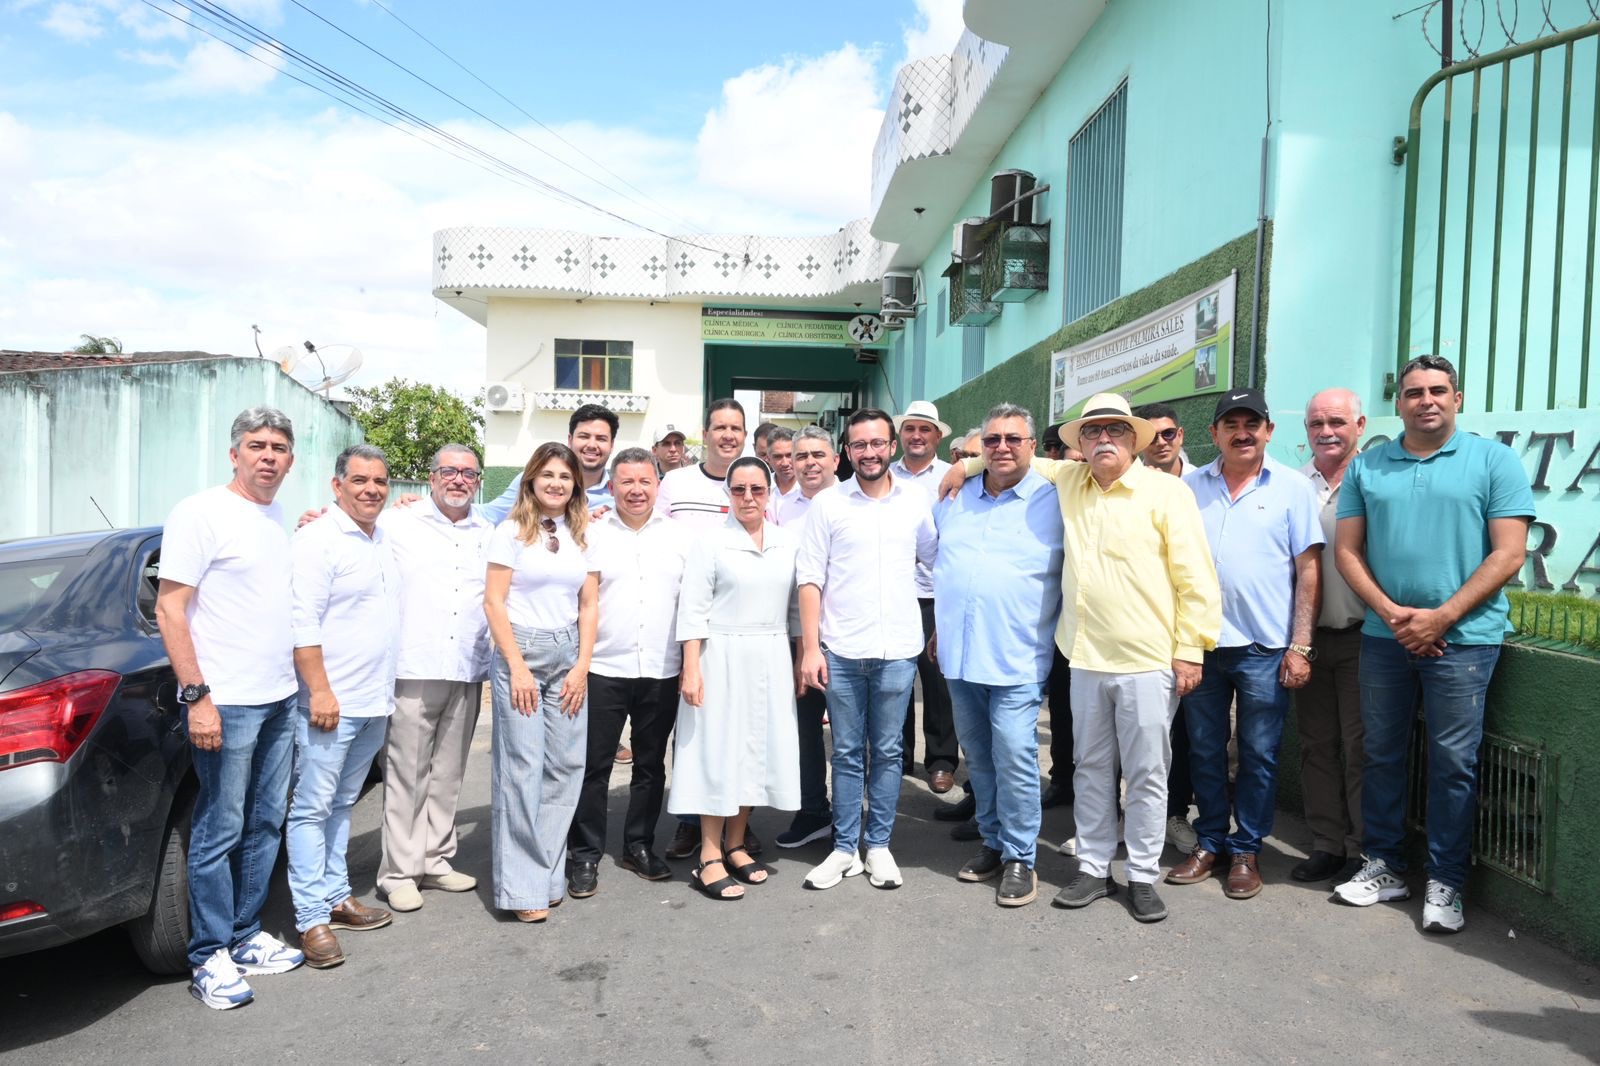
(1431, 527)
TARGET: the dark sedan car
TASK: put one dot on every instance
(95, 781)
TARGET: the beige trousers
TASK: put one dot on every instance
(424, 758)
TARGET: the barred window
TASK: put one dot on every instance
(1094, 208)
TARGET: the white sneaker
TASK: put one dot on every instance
(1180, 834)
(454, 881)
(1441, 909)
(404, 897)
(265, 954)
(882, 870)
(219, 984)
(835, 868)
(1373, 883)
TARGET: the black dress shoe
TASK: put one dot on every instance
(583, 879)
(1056, 795)
(959, 812)
(646, 863)
(1318, 866)
(1019, 885)
(967, 830)
(685, 842)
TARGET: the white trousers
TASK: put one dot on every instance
(1127, 716)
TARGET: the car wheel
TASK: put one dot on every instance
(161, 936)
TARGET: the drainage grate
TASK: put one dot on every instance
(1516, 804)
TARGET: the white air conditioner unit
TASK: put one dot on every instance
(503, 396)
(900, 294)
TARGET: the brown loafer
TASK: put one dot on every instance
(1244, 880)
(941, 781)
(1196, 868)
(321, 948)
(354, 915)
(685, 841)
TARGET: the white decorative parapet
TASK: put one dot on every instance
(623, 403)
(473, 257)
(932, 101)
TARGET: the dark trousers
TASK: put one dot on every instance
(809, 711)
(940, 747)
(1180, 783)
(1058, 690)
(652, 704)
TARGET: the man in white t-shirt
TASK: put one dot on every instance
(440, 550)
(346, 620)
(224, 611)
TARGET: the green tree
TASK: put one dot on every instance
(410, 421)
(93, 345)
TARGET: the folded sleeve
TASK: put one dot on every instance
(694, 594)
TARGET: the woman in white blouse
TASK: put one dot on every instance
(737, 743)
(540, 595)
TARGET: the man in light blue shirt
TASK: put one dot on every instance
(1431, 527)
(997, 593)
(1264, 527)
(591, 434)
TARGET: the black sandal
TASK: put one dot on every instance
(715, 889)
(747, 871)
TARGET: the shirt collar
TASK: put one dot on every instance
(1030, 483)
(851, 486)
(1395, 449)
(430, 510)
(348, 525)
(613, 518)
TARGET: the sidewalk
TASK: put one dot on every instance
(931, 972)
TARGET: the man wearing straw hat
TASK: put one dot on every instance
(1139, 608)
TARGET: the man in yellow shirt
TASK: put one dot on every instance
(1140, 606)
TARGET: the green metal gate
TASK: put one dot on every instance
(1498, 247)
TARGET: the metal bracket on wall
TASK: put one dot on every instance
(1399, 155)
(1390, 386)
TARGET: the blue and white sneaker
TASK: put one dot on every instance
(265, 953)
(1374, 883)
(1441, 909)
(219, 984)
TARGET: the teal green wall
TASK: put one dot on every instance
(795, 367)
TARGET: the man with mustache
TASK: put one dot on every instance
(1328, 709)
(1431, 527)
(1266, 541)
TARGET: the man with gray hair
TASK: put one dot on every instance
(442, 661)
(346, 614)
(223, 607)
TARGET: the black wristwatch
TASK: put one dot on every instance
(193, 693)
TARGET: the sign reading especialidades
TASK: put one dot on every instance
(753, 325)
(1184, 349)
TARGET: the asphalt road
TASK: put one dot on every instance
(933, 971)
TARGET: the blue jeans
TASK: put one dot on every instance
(999, 730)
(1248, 673)
(330, 767)
(1453, 688)
(237, 825)
(866, 709)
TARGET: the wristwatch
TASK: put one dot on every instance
(193, 693)
(1304, 649)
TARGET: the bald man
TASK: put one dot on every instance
(1329, 707)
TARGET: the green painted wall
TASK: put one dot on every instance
(825, 369)
(1535, 699)
(1024, 378)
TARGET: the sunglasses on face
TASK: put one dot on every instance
(1168, 435)
(1010, 440)
(753, 491)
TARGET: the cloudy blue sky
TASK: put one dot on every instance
(163, 188)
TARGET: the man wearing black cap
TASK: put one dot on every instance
(1263, 524)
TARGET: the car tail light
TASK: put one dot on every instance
(48, 721)
(10, 912)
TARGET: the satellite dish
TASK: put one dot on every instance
(330, 365)
(287, 358)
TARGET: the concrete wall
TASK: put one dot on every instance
(668, 366)
(137, 439)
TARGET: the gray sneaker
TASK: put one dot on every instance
(1083, 890)
(1441, 909)
(1373, 883)
(1147, 905)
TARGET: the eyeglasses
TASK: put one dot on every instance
(1116, 431)
(465, 473)
(1010, 440)
(858, 446)
(552, 545)
(1169, 435)
(753, 491)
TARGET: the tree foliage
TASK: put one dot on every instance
(93, 345)
(410, 421)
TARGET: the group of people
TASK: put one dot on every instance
(731, 608)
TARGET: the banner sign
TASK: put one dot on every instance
(1184, 349)
(833, 329)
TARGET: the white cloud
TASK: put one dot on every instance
(75, 22)
(212, 67)
(799, 134)
(936, 31)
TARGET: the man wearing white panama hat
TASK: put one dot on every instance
(920, 431)
(1140, 606)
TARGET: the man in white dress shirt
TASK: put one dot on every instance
(780, 457)
(443, 660)
(862, 632)
(633, 677)
(346, 611)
